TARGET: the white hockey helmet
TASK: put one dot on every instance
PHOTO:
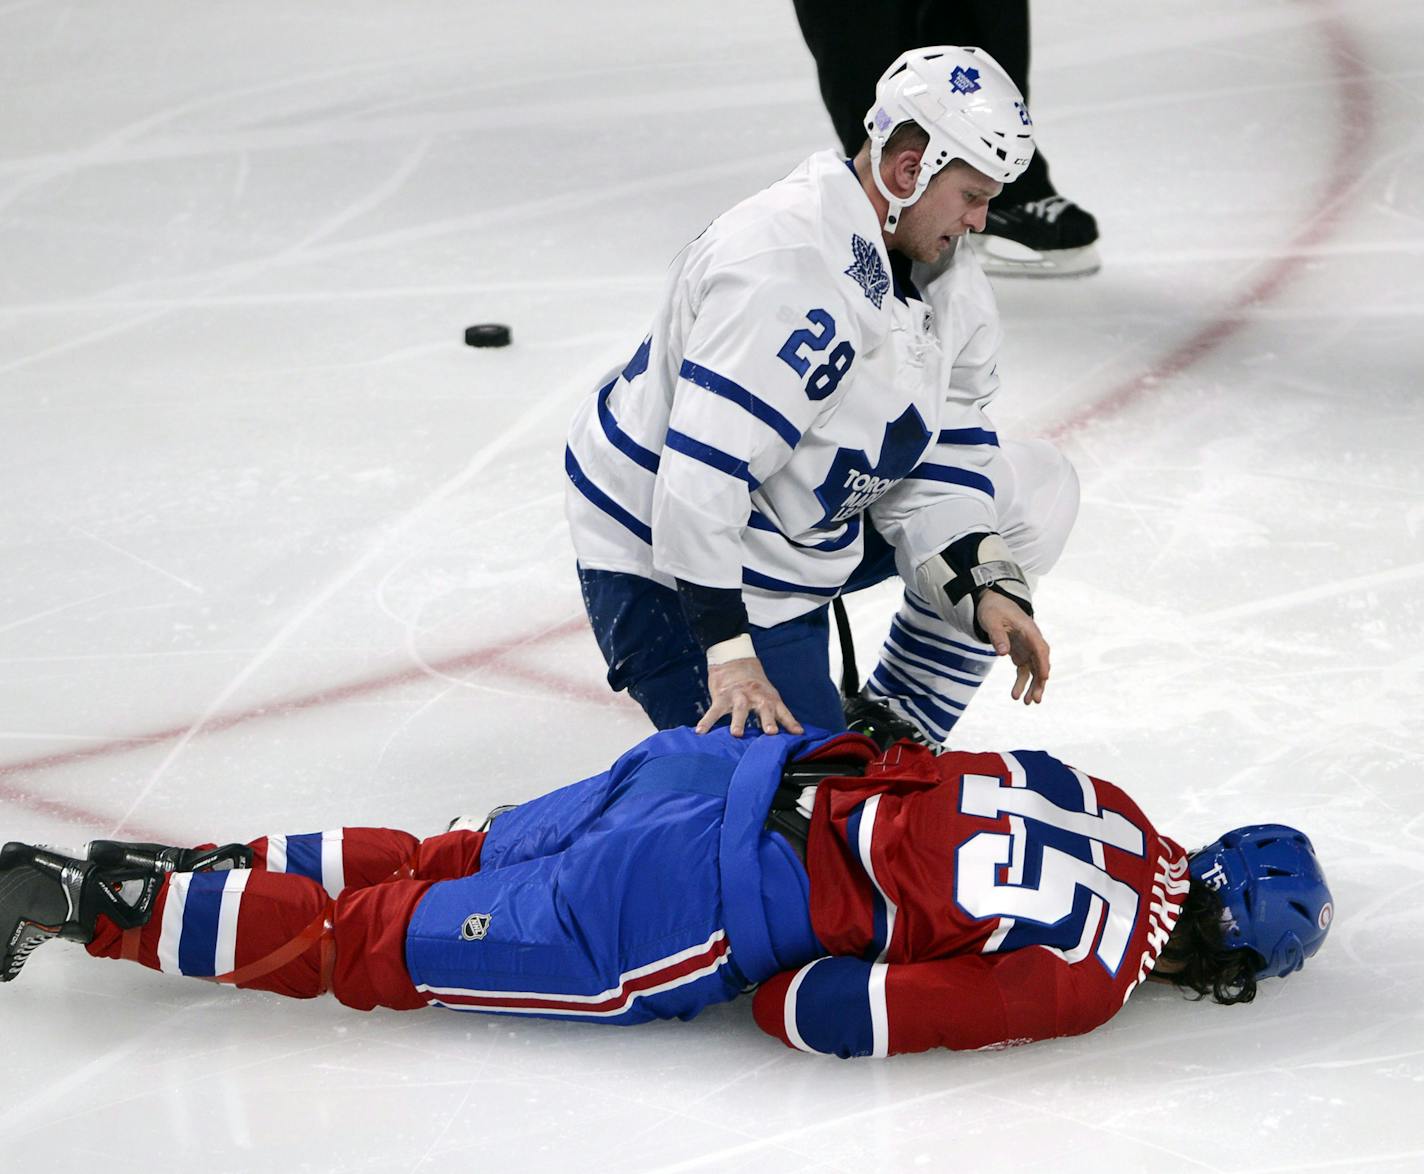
(962, 98)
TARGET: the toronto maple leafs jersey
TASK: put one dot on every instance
(787, 388)
(971, 901)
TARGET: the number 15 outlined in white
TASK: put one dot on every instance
(980, 859)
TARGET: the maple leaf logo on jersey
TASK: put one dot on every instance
(868, 270)
(853, 482)
(964, 81)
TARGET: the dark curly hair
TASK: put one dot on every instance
(1206, 967)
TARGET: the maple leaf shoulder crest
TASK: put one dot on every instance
(868, 270)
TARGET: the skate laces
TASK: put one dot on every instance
(34, 938)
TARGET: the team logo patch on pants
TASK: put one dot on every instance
(475, 927)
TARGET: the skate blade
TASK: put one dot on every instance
(1001, 257)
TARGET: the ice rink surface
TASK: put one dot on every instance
(278, 552)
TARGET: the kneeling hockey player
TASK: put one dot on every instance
(883, 902)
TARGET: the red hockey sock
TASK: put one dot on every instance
(345, 858)
(273, 927)
(253, 929)
(448, 856)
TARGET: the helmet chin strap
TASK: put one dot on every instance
(896, 205)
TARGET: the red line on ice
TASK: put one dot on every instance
(1354, 131)
(13, 774)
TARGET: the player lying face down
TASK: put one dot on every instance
(882, 902)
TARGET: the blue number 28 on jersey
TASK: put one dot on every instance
(1045, 880)
(815, 339)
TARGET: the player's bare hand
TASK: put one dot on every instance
(1014, 634)
(741, 688)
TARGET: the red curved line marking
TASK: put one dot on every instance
(1355, 125)
(12, 774)
(478, 658)
(72, 813)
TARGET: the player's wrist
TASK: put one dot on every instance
(739, 647)
(956, 580)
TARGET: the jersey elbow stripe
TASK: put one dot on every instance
(751, 578)
(852, 532)
(861, 829)
(968, 436)
(715, 458)
(788, 1010)
(720, 385)
(759, 521)
(949, 475)
(600, 499)
(619, 439)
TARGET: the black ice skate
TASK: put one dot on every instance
(163, 858)
(44, 895)
(881, 724)
(1051, 237)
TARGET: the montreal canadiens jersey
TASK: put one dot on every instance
(788, 385)
(973, 901)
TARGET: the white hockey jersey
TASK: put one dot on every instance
(785, 390)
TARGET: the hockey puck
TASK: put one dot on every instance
(487, 334)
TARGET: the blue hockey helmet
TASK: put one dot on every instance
(1274, 899)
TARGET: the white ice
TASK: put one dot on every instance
(278, 552)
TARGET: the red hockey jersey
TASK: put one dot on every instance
(972, 901)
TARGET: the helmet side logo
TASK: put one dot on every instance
(1326, 916)
(1023, 114)
(964, 81)
(1214, 877)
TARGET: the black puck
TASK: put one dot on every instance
(487, 334)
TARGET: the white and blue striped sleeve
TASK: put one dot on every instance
(758, 368)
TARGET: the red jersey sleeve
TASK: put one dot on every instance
(849, 1007)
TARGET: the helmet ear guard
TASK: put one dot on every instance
(1274, 899)
(965, 102)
